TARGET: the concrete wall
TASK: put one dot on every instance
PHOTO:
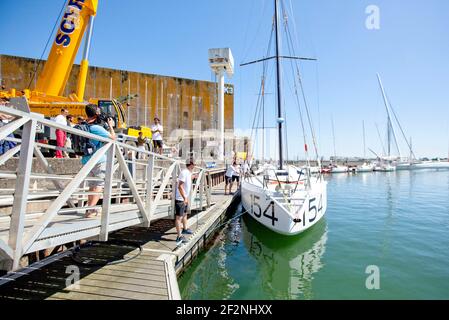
(178, 102)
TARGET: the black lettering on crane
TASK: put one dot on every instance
(76, 3)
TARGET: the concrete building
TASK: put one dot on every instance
(178, 102)
(183, 105)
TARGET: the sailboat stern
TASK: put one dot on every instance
(287, 215)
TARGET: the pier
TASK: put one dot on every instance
(42, 219)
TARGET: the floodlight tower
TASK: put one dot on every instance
(221, 61)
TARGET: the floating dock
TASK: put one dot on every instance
(150, 274)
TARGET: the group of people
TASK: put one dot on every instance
(63, 140)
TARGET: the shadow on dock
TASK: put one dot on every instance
(145, 273)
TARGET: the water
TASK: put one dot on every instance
(396, 221)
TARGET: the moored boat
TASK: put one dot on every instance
(365, 168)
(339, 169)
(285, 199)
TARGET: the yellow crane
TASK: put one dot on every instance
(47, 98)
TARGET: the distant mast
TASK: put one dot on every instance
(280, 119)
(333, 136)
(390, 129)
(364, 140)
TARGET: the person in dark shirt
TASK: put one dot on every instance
(99, 171)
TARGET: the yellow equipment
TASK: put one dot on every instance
(145, 131)
(242, 155)
(47, 98)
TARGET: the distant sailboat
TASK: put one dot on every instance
(386, 163)
(365, 167)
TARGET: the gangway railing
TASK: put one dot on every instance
(135, 191)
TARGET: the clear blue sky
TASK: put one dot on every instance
(171, 37)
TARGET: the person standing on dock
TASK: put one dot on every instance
(228, 178)
(182, 204)
(157, 130)
(61, 135)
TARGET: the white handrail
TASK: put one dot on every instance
(71, 191)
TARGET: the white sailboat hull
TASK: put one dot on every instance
(431, 165)
(404, 166)
(365, 169)
(281, 215)
(386, 170)
(340, 169)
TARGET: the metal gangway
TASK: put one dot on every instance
(136, 192)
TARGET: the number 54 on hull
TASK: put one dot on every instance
(285, 215)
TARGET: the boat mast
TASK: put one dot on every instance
(280, 119)
(380, 139)
(263, 117)
(388, 116)
(333, 136)
(364, 140)
(390, 128)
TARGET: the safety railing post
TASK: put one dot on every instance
(209, 190)
(107, 194)
(133, 164)
(149, 192)
(17, 225)
(203, 176)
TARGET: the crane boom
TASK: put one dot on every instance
(48, 96)
(53, 79)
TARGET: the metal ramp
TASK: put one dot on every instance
(136, 192)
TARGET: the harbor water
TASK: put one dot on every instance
(384, 236)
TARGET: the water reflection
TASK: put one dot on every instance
(389, 218)
(397, 221)
(201, 282)
(286, 264)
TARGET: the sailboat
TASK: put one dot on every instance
(387, 162)
(365, 167)
(286, 199)
(412, 163)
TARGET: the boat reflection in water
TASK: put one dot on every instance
(248, 261)
(286, 265)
